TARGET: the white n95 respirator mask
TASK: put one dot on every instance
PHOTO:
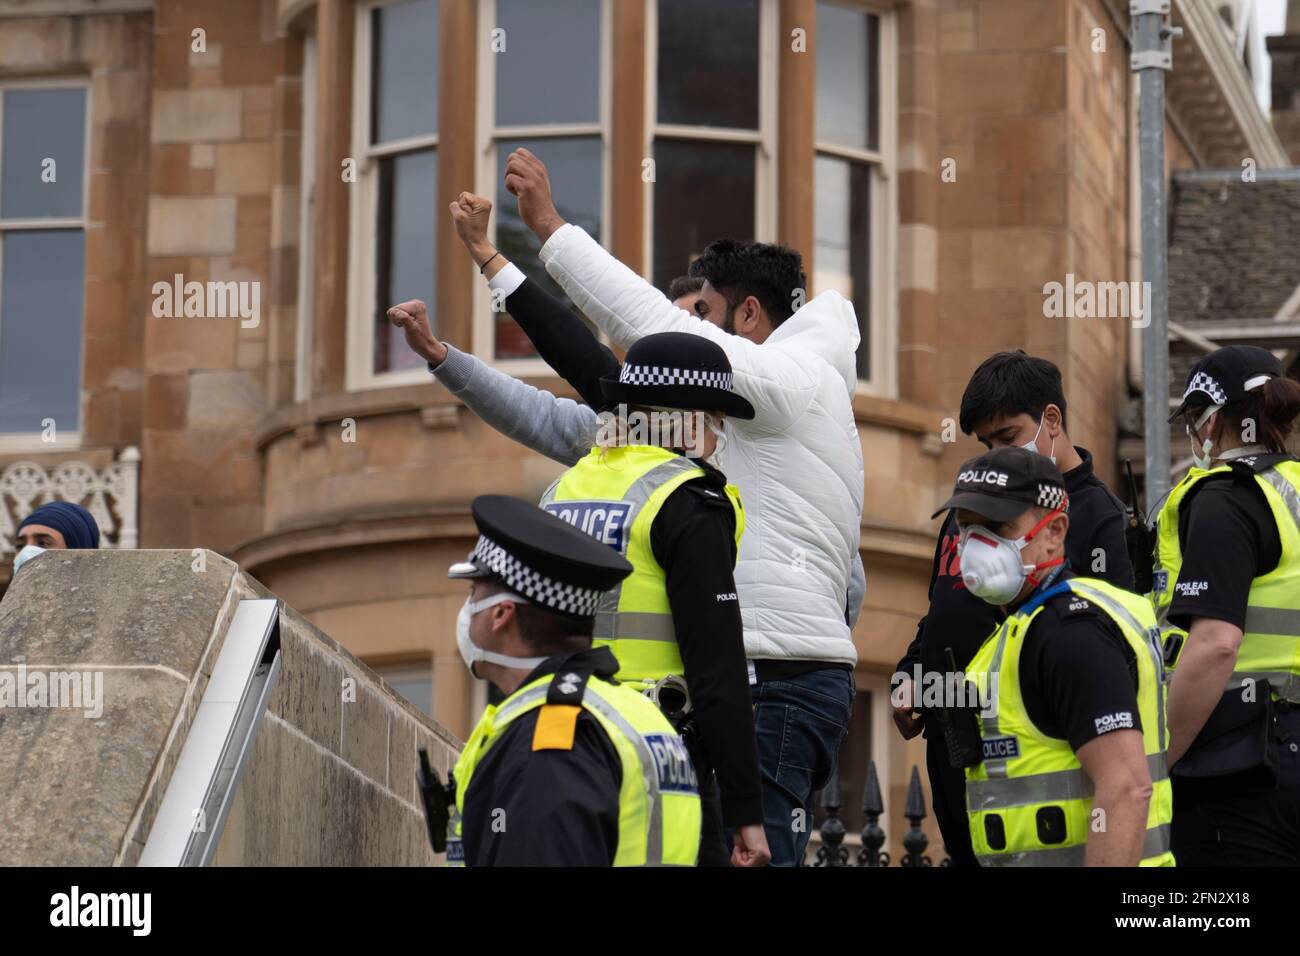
(992, 567)
(471, 653)
(25, 555)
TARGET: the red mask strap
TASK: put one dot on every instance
(1034, 578)
(1029, 535)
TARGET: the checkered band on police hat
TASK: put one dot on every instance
(664, 375)
(1053, 496)
(547, 592)
(1204, 383)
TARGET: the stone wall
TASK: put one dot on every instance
(331, 780)
(223, 206)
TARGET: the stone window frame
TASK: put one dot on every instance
(362, 215)
(884, 205)
(64, 440)
(483, 331)
(307, 215)
(764, 139)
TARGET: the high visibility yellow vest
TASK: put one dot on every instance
(1270, 646)
(658, 801)
(1029, 802)
(614, 495)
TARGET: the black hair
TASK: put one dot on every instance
(684, 285)
(547, 632)
(1011, 383)
(1273, 407)
(772, 274)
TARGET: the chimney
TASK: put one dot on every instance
(1285, 53)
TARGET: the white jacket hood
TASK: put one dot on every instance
(826, 326)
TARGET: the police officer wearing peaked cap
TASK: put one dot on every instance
(658, 497)
(1071, 724)
(570, 769)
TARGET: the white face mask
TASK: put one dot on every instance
(991, 566)
(25, 555)
(1032, 444)
(1201, 457)
(721, 442)
(471, 653)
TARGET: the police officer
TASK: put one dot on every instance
(1063, 744)
(1227, 590)
(571, 769)
(651, 491)
(1011, 399)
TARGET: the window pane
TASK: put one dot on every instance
(703, 191)
(842, 253)
(404, 88)
(558, 40)
(41, 303)
(708, 63)
(848, 76)
(404, 259)
(575, 165)
(41, 125)
(412, 681)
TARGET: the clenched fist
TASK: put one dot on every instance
(471, 215)
(527, 180)
(413, 319)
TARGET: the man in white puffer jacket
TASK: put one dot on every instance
(798, 465)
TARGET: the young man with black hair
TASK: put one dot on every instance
(1013, 399)
(798, 465)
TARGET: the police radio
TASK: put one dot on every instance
(437, 801)
(961, 729)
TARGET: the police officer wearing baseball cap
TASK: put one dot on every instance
(1227, 594)
(571, 769)
(1065, 714)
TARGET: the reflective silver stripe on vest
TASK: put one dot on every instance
(1155, 843)
(654, 836)
(1281, 683)
(635, 626)
(511, 708)
(1265, 621)
(1153, 646)
(1055, 787)
(997, 767)
(1285, 490)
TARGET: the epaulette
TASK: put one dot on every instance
(557, 720)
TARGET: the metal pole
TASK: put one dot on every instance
(1150, 59)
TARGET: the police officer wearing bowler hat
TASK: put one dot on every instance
(1227, 592)
(656, 496)
(571, 769)
(1064, 745)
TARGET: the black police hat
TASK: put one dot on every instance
(1226, 376)
(676, 370)
(540, 557)
(1000, 484)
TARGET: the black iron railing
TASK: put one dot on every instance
(833, 852)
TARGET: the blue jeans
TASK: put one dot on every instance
(800, 723)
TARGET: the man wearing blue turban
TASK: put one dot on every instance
(56, 525)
